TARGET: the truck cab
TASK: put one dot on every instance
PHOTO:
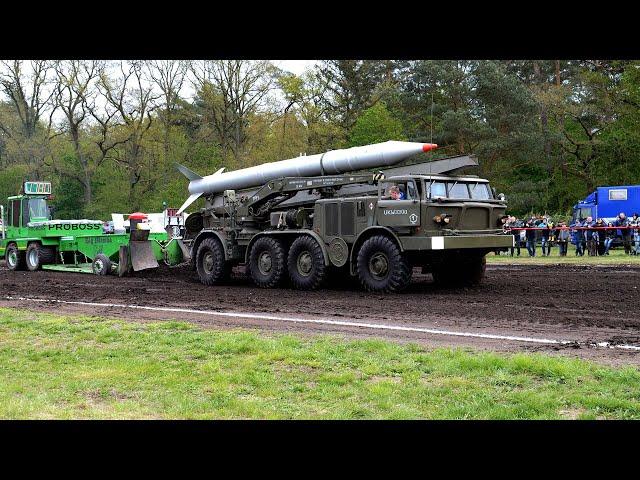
(444, 224)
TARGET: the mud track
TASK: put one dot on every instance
(586, 304)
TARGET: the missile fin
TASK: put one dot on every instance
(188, 202)
(188, 173)
(220, 171)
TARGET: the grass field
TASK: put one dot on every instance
(615, 257)
(80, 367)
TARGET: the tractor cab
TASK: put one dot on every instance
(29, 206)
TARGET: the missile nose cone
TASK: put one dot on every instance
(429, 146)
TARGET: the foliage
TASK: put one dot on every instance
(375, 125)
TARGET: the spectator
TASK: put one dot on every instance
(635, 232)
(622, 221)
(563, 235)
(588, 236)
(512, 224)
(598, 237)
(578, 238)
(609, 236)
(531, 237)
(544, 236)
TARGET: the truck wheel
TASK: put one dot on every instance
(305, 263)
(101, 265)
(267, 262)
(473, 269)
(15, 258)
(210, 262)
(382, 267)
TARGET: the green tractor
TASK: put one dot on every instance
(30, 240)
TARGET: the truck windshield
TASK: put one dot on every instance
(38, 209)
(459, 190)
(581, 213)
(480, 191)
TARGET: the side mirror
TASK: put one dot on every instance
(502, 197)
(52, 211)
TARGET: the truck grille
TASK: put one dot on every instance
(476, 218)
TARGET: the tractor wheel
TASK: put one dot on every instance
(37, 255)
(15, 258)
(210, 262)
(382, 267)
(267, 262)
(305, 263)
(101, 265)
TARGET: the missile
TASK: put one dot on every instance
(332, 162)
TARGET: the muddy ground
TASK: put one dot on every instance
(586, 304)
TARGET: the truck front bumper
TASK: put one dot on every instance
(454, 242)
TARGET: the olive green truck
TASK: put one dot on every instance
(377, 226)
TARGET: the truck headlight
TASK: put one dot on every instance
(442, 219)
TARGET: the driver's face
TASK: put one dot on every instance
(395, 194)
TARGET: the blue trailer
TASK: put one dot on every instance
(608, 202)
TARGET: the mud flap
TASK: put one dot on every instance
(142, 256)
(123, 260)
(186, 254)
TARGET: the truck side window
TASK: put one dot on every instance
(412, 193)
(401, 188)
(15, 213)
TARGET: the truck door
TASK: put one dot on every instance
(398, 204)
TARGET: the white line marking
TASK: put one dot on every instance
(326, 321)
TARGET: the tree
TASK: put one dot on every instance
(73, 95)
(229, 92)
(133, 100)
(375, 124)
(27, 89)
(350, 85)
(169, 77)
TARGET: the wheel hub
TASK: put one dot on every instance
(305, 264)
(265, 263)
(12, 258)
(97, 266)
(207, 263)
(379, 266)
(33, 257)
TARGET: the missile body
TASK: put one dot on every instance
(329, 163)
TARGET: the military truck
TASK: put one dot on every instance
(306, 228)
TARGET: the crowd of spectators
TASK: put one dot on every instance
(588, 236)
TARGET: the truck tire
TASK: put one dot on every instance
(37, 255)
(305, 263)
(210, 263)
(474, 269)
(16, 260)
(267, 262)
(101, 265)
(381, 266)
